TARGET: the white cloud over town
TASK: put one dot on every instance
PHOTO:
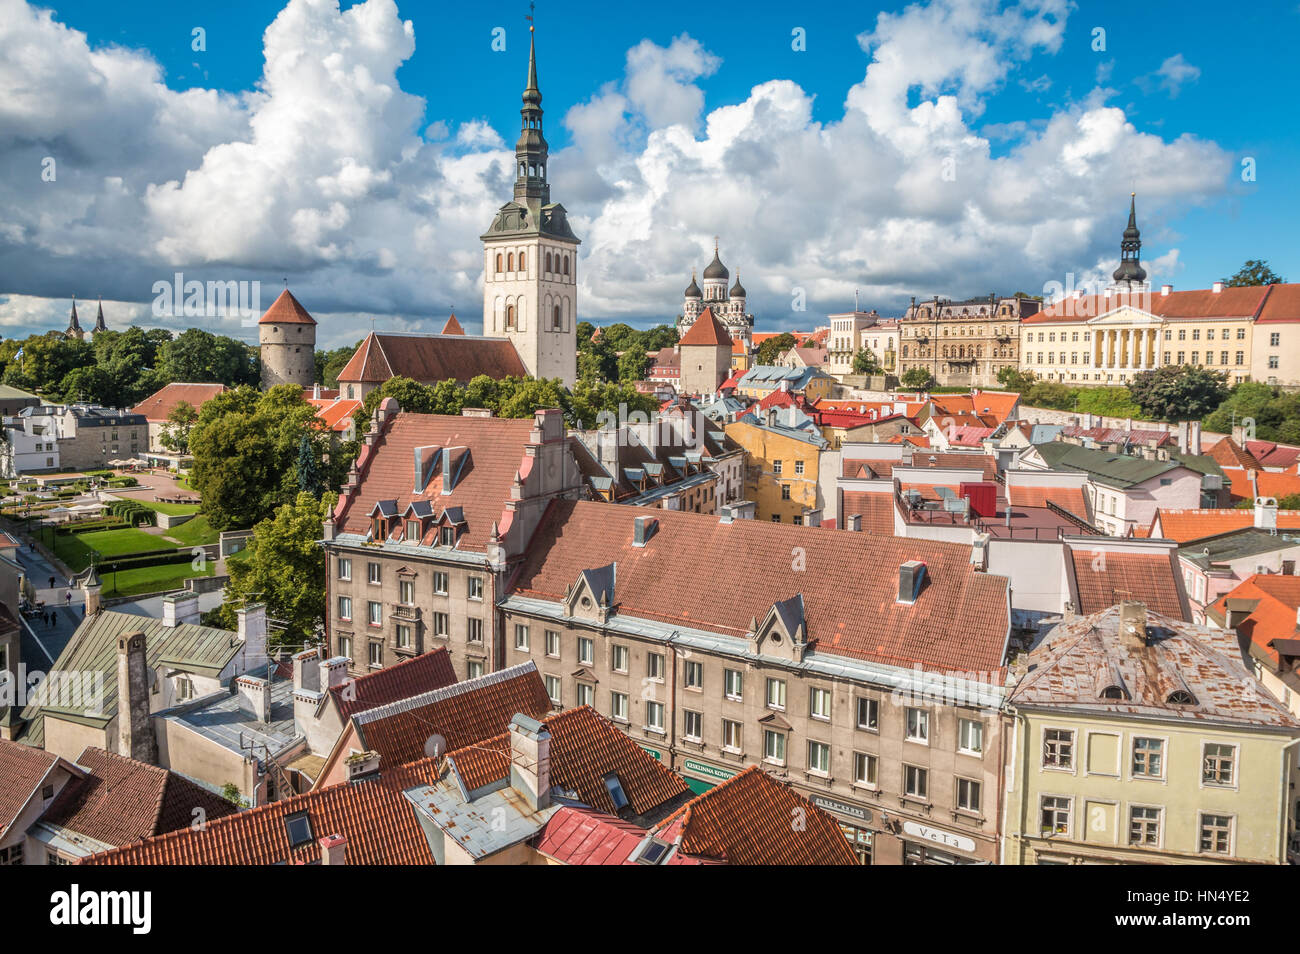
(372, 203)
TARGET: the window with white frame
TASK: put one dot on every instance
(552, 643)
(1058, 748)
(654, 716)
(970, 736)
(440, 583)
(553, 688)
(473, 668)
(655, 666)
(1144, 826)
(775, 693)
(586, 694)
(475, 587)
(868, 715)
(374, 572)
(403, 636)
(969, 795)
(586, 650)
(865, 769)
(1054, 815)
(733, 684)
(694, 675)
(621, 656)
(819, 703)
(618, 706)
(441, 625)
(732, 734)
(345, 568)
(918, 725)
(475, 631)
(819, 757)
(521, 636)
(774, 746)
(406, 592)
(376, 654)
(916, 782)
(345, 607)
(375, 613)
(692, 725)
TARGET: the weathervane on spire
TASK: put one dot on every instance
(529, 18)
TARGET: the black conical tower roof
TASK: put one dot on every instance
(1130, 265)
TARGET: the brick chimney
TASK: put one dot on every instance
(334, 850)
(135, 737)
(530, 761)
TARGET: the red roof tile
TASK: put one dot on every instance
(1236, 302)
(706, 330)
(876, 510)
(411, 677)
(286, 310)
(375, 817)
(21, 768)
(429, 359)
(1228, 453)
(1105, 577)
(158, 406)
(122, 800)
(1274, 617)
(452, 327)
(1072, 499)
(1187, 525)
(582, 836)
(747, 821)
(959, 621)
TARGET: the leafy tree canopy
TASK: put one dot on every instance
(1254, 272)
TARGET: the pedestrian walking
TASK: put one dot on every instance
(67, 598)
(51, 582)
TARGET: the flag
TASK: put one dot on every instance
(18, 353)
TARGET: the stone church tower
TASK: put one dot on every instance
(287, 335)
(530, 258)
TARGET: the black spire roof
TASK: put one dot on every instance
(693, 290)
(715, 268)
(99, 318)
(1130, 267)
(737, 290)
(73, 324)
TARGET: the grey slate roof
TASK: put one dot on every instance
(1115, 470)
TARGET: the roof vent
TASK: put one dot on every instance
(1217, 287)
(1165, 290)
(643, 528)
(911, 577)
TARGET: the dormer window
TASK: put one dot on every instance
(413, 531)
(1180, 697)
(379, 528)
(1113, 692)
(448, 536)
(616, 793)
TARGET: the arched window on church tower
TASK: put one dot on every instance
(522, 266)
(557, 321)
(498, 262)
(510, 317)
(566, 265)
(548, 262)
(510, 262)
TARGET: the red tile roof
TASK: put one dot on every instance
(1282, 304)
(411, 677)
(959, 621)
(496, 455)
(463, 714)
(1228, 453)
(286, 310)
(429, 359)
(747, 821)
(22, 768)
(1187, 525)
(375, 817)
(122, 800)
(876, 510)
(1274, 617)
(1105, 577)
(707, 331)
(335, 414)
(1236, 302)
(452, 327)
(158, 406)
(1270, 454)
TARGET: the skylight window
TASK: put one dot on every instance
(298, 827)
(616, 794)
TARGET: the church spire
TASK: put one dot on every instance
(99, 318)
(531, 187)
(74, 327)
(1130, 269)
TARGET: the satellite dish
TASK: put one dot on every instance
(435, 746)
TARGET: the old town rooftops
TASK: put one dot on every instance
(1160, 668)
(958, 620)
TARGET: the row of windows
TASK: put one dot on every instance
(1147, 757)
(1145, 825)
(406, 588)
(556, 263)
(1224, 335)
(778, 464)
(1169, 357)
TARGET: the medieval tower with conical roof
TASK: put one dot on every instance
(530, 258)
(287, 336)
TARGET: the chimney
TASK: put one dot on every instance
(476, 412)
(1266, 513)
(1194, 438)
(306, 670)
(853, 522)
(911, 576)
(1133, 624)
(979, 551)
(1165, 290)
(315, 392)
(255, 692)
(1216, 287)
(250, 629)
(135, 737)
(643, 528)
(724, 514)
(179, 608)
(362, 766)
(1183, 431)
(333, 672)
(334, 850)
(771, 417)
(530, 761)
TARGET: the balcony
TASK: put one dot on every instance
(404, 612)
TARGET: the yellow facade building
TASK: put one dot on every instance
(784, 454)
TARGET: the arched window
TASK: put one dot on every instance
(510, 316)
(566, 264)
(521, 170)
(498, 261)
(548, 261)
(532, 171)
(522, 266)
(557, 323)
(541, 171)
(510, 262)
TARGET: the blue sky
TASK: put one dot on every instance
(1180, 95)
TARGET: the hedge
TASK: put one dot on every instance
(138, 561)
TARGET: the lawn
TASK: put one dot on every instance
(152, 579)
(195, 532)
(78, 549)
(171, 509)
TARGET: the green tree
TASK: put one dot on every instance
(175, 434)
(1108, 402)
(916, 378)
(1172, 393)
(1013, 379)
(598, 362)
(1050, 394)
(285, 569)
(773, 348)
(91, 384)
(309, 476)
(330, 363)
(202, 357)
(1254, 272)
(633, 365)
(866, 362)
